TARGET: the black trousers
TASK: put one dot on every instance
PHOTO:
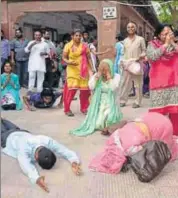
(48, 82)
(7, 128)
(9, 107)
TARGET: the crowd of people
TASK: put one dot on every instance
(105, 87)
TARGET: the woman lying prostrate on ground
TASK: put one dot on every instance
(103, 110)
(45, 99)
(128, 140)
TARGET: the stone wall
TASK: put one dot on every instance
(4, 17)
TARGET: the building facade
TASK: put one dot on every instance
(15, 11)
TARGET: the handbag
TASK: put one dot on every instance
(135, 68)
(132, 66)
(150, 161)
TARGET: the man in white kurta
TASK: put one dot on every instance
(38, 49)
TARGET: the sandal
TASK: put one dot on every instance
(70, 114)
(84, 112)
(122, 104)
(135, 106)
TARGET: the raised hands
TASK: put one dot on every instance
(169, 38)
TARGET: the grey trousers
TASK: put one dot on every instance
(126, 84)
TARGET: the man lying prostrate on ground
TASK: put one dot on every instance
(43, 100)
(28, 149)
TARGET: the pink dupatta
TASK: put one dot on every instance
(164, 71)
(84, 62)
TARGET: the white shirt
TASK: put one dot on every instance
(23, 145)
(36, 61)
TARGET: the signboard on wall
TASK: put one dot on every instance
(109, 13)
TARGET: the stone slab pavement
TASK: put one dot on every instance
(61, 181)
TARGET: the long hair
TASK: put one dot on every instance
(76, 31)
(2, 68)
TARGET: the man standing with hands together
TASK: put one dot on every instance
(38, 49)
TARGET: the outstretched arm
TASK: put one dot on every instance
(26, 100)
(28, 168)
(91, 67)
(99, 53)
(111, 129)
(30, 171)
(66, 153)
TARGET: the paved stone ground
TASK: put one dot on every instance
(61, 181)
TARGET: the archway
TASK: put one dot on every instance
(106, 29)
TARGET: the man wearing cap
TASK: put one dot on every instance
(28, 149)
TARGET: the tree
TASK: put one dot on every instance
(88, 25)
(168, 13)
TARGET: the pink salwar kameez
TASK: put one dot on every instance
(164, 80)
(129, 140)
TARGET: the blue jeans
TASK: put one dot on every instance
(22, 72)
(3, 60)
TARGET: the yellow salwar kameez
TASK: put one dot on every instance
(77, 76)
(74, 79)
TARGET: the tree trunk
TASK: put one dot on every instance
(175, 18)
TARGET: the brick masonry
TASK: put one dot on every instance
(12, 12)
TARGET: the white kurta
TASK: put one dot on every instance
(36, 61)
(93, 56)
